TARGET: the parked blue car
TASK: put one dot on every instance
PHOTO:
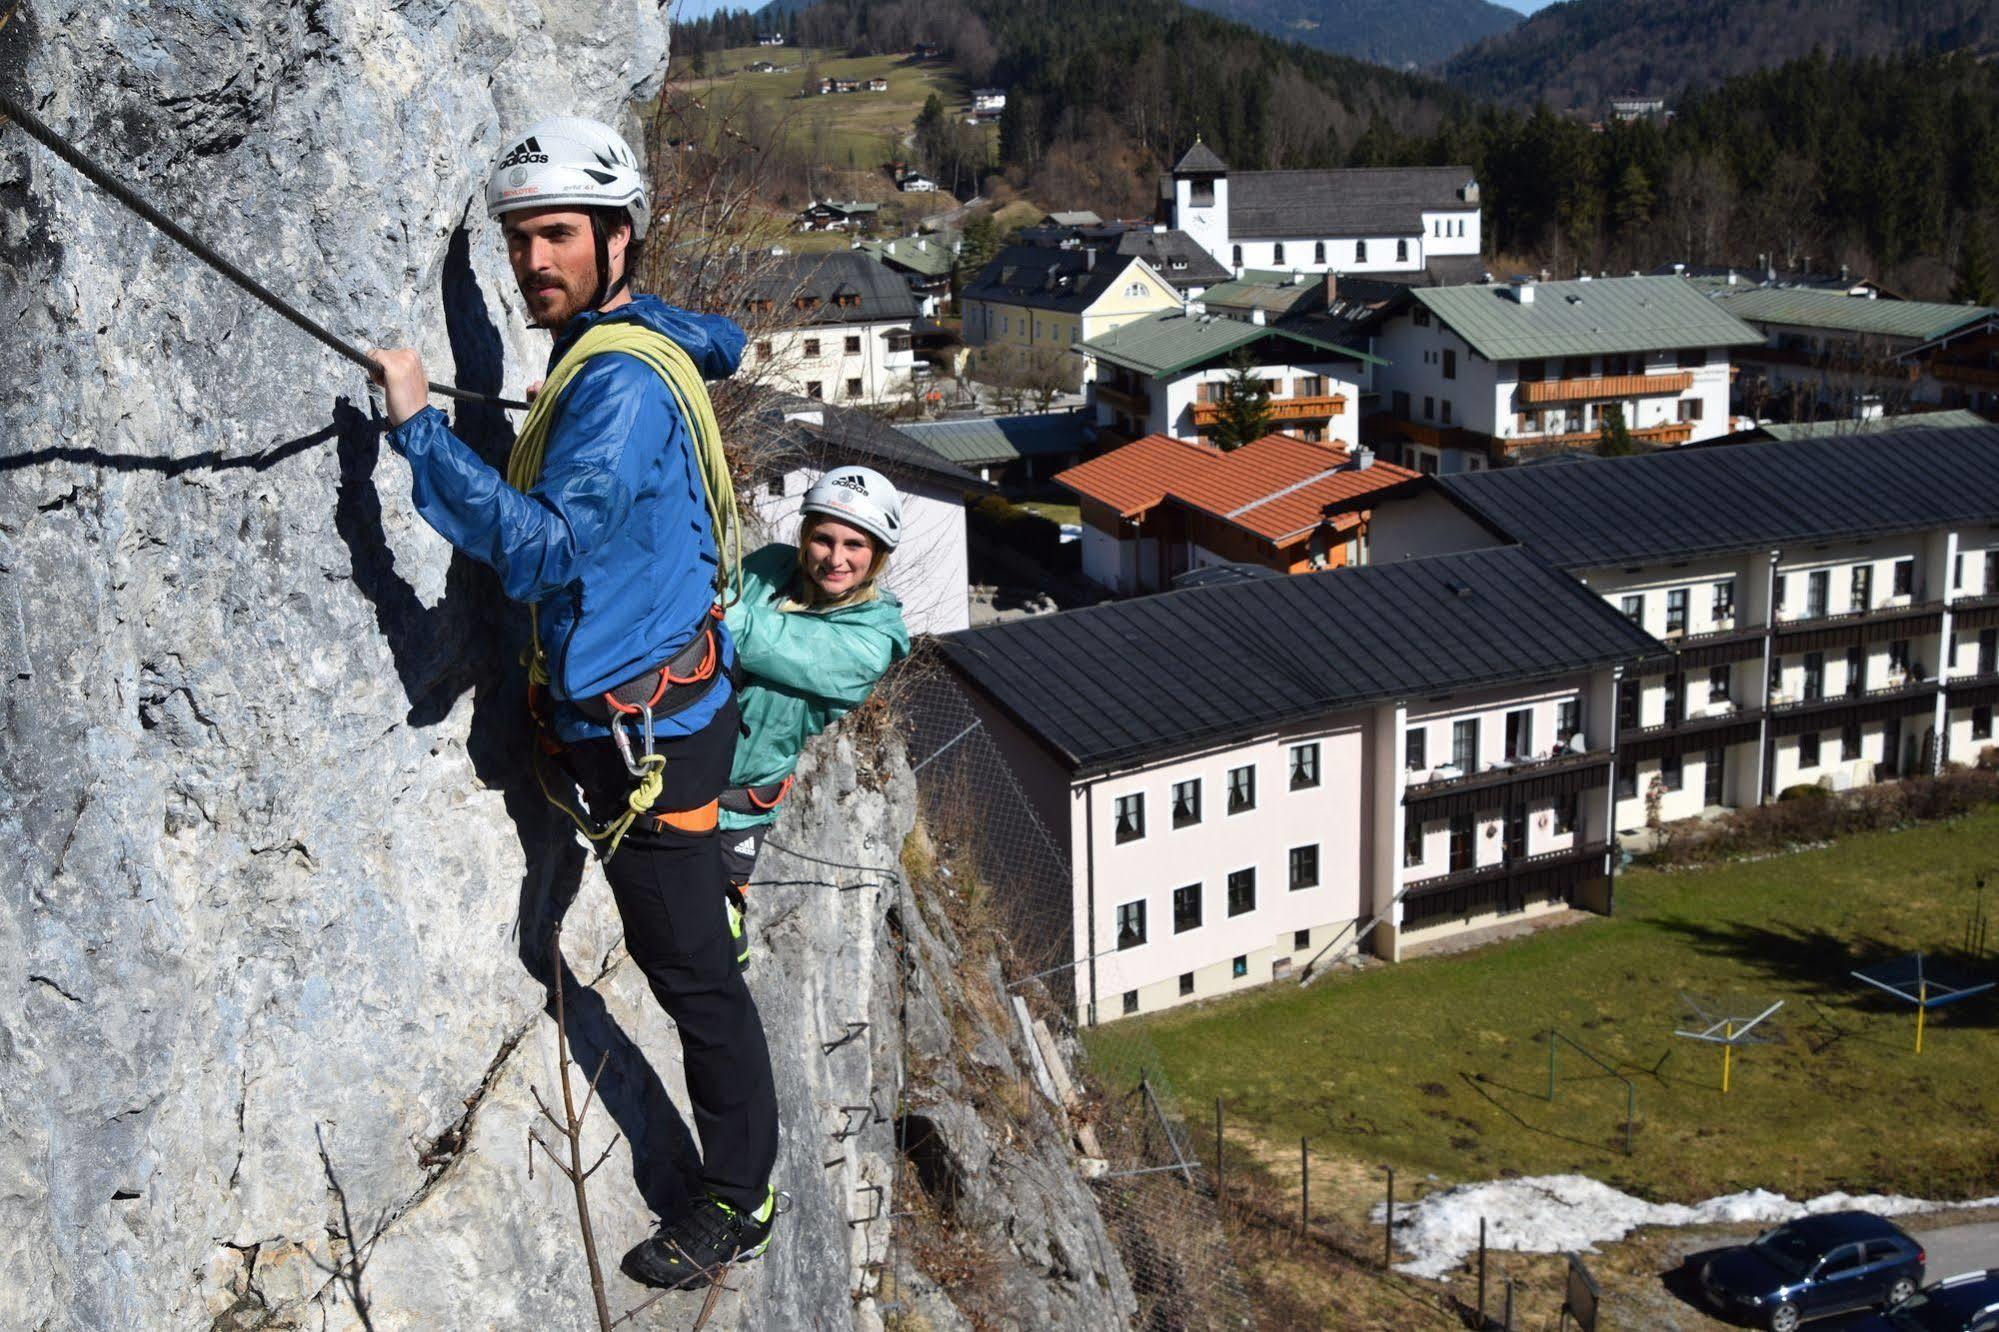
(1813, 1267)
(1968, 1303)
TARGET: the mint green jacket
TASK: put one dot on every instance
(802, 670)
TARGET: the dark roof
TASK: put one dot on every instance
(1685, 503)
(1162, 248)
(1364, 202)
(1199, 159)
(884, 294)
(1220, 575)
(1112, 684)
(1046, 278)
(845, 435)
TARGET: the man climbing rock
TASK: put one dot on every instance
(609, 523)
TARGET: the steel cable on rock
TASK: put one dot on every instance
(124, 194)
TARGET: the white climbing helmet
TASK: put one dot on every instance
(569, 160)
(862, 497)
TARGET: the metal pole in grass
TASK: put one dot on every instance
(1481, 1271)
(1551, 1064)
(1388, 1230)
(1509, 1304)
(1304, 1186)
(1218, 1148)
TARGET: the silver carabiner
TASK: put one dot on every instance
(645, 711)
(625, 745)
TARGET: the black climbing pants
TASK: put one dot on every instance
(677, 930)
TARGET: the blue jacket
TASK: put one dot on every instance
(613, 546)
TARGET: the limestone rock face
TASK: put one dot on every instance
(275, 924)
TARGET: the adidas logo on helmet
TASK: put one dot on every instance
(521, 154)
(850, 481)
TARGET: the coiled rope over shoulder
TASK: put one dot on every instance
(690, 394)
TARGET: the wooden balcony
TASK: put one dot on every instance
(1281, 409)
(1677, 432)
(1952, 372)
(1536, 392)
(1138, 404)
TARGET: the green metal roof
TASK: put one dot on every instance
(986, 440)
(1920, 320)
(1950, 420)
(932, 258)
(1577, 318)
(1166, 343)
(1246, 294)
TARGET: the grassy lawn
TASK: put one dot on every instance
(1055, 511)
(1440, 1066)
(849, 129)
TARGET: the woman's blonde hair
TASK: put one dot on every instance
(807, 595)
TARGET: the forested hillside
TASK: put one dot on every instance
(1891, 167)
(1099, 92)
(1397, 33)
(1581, 53)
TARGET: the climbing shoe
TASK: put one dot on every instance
(694, 1250)
(739, 910)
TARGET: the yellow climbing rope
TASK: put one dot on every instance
(524, 464)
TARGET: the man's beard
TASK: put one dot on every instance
(567, 305)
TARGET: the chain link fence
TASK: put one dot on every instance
(1155, 1194)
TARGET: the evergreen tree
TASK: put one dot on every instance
(1974, 269)
(1613, 437)
(1245, 414)
(1634, 201)
(980, 243)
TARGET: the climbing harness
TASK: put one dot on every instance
(686, 677)
(757, 799)
(124, 194)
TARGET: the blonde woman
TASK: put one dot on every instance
(814, 631)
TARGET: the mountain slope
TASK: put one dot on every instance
(1580, 53)
(1397, 33)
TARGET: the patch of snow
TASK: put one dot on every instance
(1574, 1214)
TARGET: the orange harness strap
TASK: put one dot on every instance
(700, 819)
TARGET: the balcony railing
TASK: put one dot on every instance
(1952, 372)
(1136, 403)
(1788, 705)
(1499, 774)
(1674, 432)
(1515, 865)
(1281, 409)
(1710, 719)
(1541, 391)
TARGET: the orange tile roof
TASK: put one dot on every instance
(1276, 487)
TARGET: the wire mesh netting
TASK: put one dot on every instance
(1155, 1194)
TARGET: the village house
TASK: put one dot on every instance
(1827, 353)
(843, 328)
(930, 571)
(1829, 605)
(1404, 219)
(1034, 302)
(770, 39)
(925, 262)
(1160, 507)
(988, 102)
(915, 182)
(877, 85)
(926, 51)
(1479, 375)
(1173, 255)
(1245, 777)
(835, 215)
(1009, 450)
(1170, 374)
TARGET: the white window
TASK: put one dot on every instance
(1130, 817)
(1131, 925)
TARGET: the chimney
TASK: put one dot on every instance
(922, 245)
(1332, 287)
(1679, 270)
(1256, 316)
(1523, 290)
(1731, 277)
(1159, 228)
(1089, 259)
(1361, 458)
